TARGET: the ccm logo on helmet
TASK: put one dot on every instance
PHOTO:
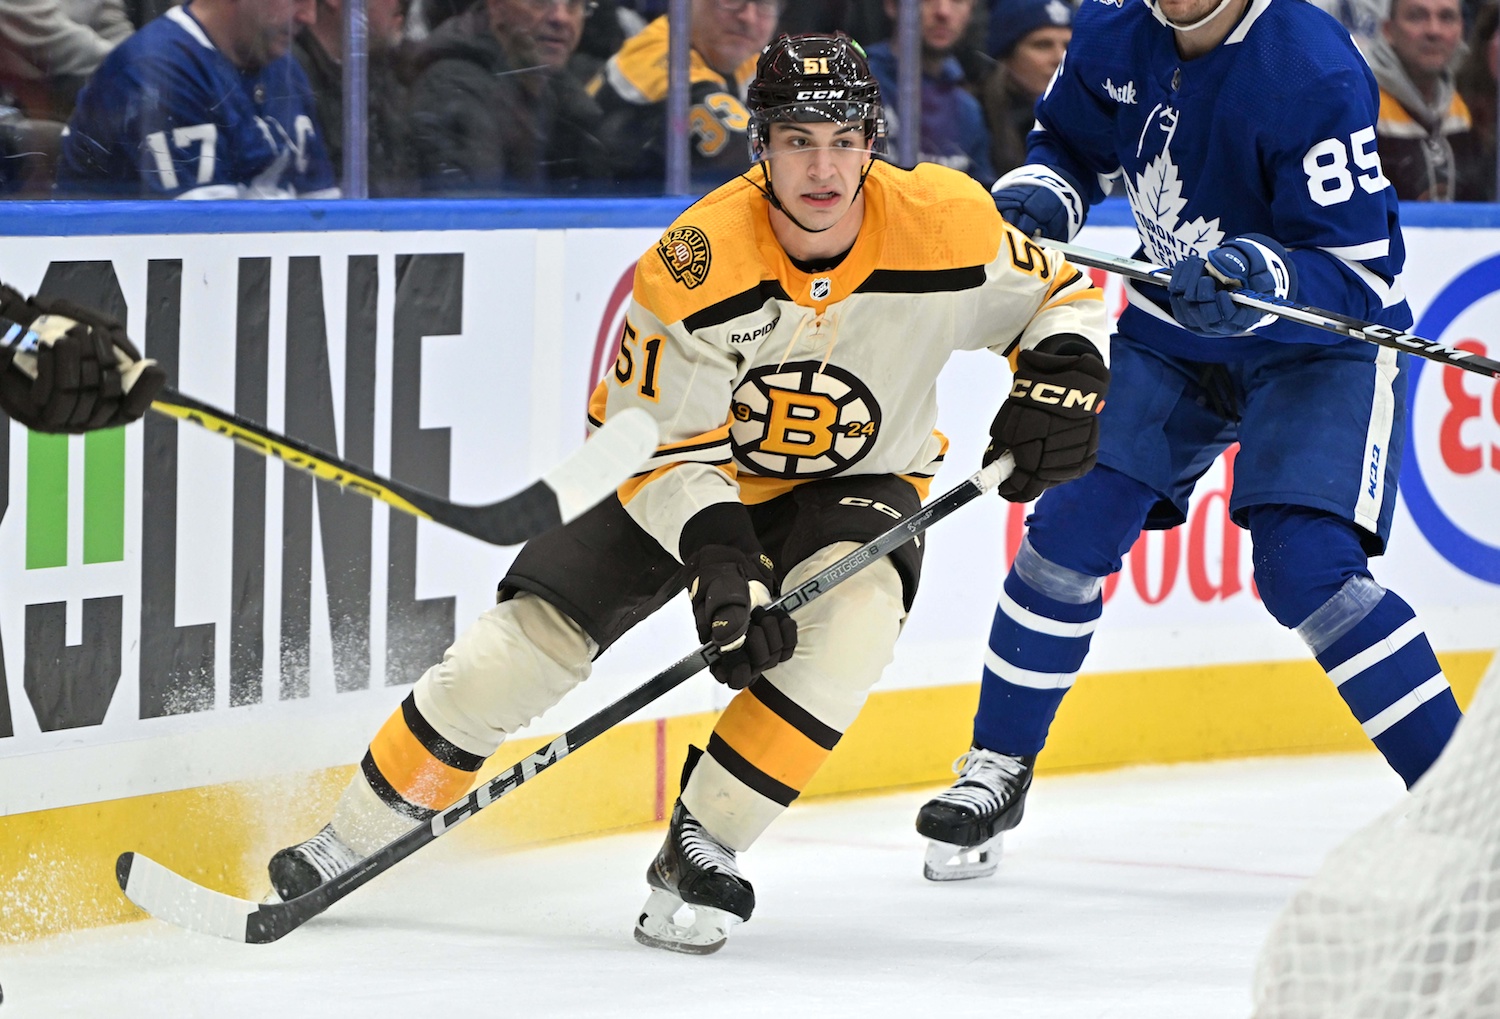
(821, 93)
(1046, 392)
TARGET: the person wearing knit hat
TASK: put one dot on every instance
(1028, 39)
(1013, 20)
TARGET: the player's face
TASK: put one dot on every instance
(1425, 33)
(1188, 12)
(816, 169)
(1035, 58)
(268, 27)
(726, 33)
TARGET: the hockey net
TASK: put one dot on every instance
(1403, 919)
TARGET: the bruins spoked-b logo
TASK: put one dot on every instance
(686, 254)
(794, 421)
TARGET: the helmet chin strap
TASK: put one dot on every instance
(1211, 15)
(770, 192)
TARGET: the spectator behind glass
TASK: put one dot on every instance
(953, 129)
(319, 49)
(48, 49)
(1476, 80)
(727, 37)
(604, 32)
(1425, 131)
(1028, 38)
(204, 102)
(493, 108)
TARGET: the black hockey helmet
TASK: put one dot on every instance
(812, 78)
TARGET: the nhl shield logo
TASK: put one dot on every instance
(686, 254)
(821, 288)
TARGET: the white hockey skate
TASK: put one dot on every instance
(696, 875)
(299, 869)
(965, 823)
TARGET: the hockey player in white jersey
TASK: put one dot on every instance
(1243, 132)
(787, 334)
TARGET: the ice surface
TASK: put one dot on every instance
(1139, 893)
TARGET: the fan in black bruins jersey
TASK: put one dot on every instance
(786, 333)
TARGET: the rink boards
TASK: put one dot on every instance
(196, 645)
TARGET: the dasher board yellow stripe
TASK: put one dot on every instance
(57, 866)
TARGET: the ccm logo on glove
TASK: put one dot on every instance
(1063, 396)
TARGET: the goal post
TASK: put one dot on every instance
(1402, 921)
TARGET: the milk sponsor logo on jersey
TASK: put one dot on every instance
(802, 420)
(1450, 473)
(1121, 93)
(821, 288)
(759, 332)
(687, 255)
(1157, 198)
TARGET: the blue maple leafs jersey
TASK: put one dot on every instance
(167, 115)
(1272, 132)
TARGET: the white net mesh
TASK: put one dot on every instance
(1403, 919)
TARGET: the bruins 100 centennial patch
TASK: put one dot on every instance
(686, 254)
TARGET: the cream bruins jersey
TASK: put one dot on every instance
(762, 376)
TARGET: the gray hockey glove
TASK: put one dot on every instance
(730, 585)
(65, 368)
(1050, 423)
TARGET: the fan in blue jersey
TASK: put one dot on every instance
(203, 102)
(1243, 132)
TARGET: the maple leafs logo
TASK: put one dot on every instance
(1157, 201)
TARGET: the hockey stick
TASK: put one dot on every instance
(610, 456)
(169, 896)
(1331, 321)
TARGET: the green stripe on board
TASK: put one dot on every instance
(104, 496)
(46, 501)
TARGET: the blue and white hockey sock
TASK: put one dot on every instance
(1369, 642)
(1041, 633)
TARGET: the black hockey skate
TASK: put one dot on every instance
(965, 822)
(696, 871)
(297, 870)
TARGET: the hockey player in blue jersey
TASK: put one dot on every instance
(203, 102)
(1243, 132)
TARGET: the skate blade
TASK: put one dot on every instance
(705, 932)
(947, 862)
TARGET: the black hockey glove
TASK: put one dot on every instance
(729, 586)
(1050, 423)
(64, 368)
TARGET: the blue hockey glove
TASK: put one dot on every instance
(1038, 201)
(1200, 287)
